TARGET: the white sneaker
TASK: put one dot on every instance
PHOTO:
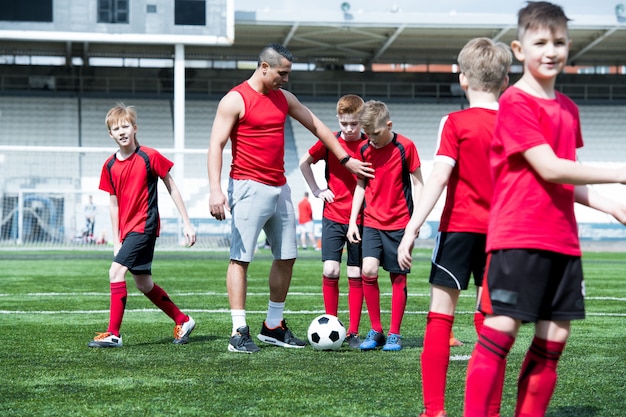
(106, 340)
(182, 331)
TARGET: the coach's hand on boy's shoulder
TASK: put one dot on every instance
(360, 168)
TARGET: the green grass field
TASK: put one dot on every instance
(52, 303)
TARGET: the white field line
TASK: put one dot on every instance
(225, 311)
(224, 294)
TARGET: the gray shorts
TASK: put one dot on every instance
(255, 206)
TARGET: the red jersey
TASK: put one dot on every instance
(340, 181)
(134, 182)
(526, 211)
(305, 211)
(388, 196)
(258, 138)
(464, 142)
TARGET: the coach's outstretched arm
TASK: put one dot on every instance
(302, 114)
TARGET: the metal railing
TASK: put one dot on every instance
(206, 86)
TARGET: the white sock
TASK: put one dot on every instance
(274, 314)
(239, 319)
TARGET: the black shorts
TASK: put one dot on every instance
(334, 238)
(456, 256)
(532, 285)
(136, 253)
(383, 245)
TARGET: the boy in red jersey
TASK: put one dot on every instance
(464, 142)
(534, 272)
(131, 177)
(337, 197)
(253, 115)
(389, 198)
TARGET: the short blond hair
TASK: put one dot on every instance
(375, 114)
(485, 63)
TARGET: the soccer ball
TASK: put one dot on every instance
(326, 332)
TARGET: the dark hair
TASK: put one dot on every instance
(272, 53)
(540, 14)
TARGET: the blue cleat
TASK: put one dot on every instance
(394, 342)
(374, 340)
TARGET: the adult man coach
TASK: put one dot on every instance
(253, 116)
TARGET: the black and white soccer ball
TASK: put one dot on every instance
(326, 332)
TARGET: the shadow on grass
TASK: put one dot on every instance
(413, 342)
(573, 411)
(192, 340)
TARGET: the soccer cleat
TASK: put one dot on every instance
(373, 340)
(241, 342)
(353, 340)
(394, 342)
(106, 340)
(454, 342)
(182, 331)
(280, 336)
(439, 414)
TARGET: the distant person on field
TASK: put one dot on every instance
(253, 115)
(305, 222)
(90, 216)
(534, 272)
(460, 166)
(388, 201)
(131, 176)
(337, 197)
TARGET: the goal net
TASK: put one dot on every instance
(50, 198)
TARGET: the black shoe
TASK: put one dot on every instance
(353, 340)
(241, 342)
(280, 336)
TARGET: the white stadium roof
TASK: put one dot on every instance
(329, 32)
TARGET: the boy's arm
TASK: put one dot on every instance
(425, 203)
(115, 223)
(589, 197)
(564, 171)
(188, 229)
(354, 236)
(302, 114)
(305, 167)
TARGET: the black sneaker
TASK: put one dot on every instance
(280, 336)
(353, 340)
(241, 342)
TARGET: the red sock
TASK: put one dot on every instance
(160, 299)
(495, 399)
(355, 303)
(537, 378)
(398, 301)
(371, 293)
(484, 374)
(479, 319)
(435, 360)
(330, 292)
(117, 307)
